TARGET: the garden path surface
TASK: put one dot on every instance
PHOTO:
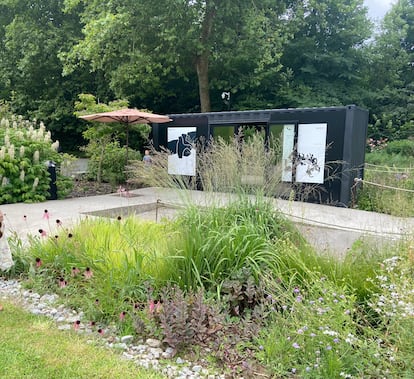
(330, 229)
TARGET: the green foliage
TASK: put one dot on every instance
(86, 104)
(401, 147)
(267, 54)
(238, 280)
(392, 84)
(316, 332)
(389, 180)
(107, 161)
(326, 58)
(68, 354)
(25, 151)
(394, 306)
(388, 191)
(183, 43)
(216, 243)
(32, 37)
(121, 255)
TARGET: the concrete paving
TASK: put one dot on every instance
(329, 229)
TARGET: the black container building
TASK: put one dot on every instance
(321, 146)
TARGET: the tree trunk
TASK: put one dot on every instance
(202, 59)
(203, 82)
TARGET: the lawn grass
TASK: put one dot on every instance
(32, 347)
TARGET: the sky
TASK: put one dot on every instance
(378, 8)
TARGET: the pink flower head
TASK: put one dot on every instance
(101, 331)
(88, 273)
(42, 232)
(38, 262)
(75, 271)
(152, 306)
(92, 324)
(46, 214)
(58, 222)
(62, 283)
(76, 325)
(122, 316)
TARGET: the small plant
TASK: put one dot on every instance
(241, 293)
(186, 319)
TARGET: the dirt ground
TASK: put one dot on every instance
(83, 188)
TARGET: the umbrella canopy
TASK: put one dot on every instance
(127, 116)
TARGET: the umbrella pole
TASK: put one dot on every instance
(126, 165)
(127, 142)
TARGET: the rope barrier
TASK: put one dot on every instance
(391, 171)
(345, 228)
(393, 167)
(358, 180)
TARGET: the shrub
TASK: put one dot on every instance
(25, 150)
(107, 161)
(402, 147)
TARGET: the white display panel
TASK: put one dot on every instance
(182, 158)
(287, 158)
(311, 148)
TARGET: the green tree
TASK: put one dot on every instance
(144, 47)
(33, 34)
(326, 58)
(392, 74)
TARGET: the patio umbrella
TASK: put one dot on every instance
(127, 116)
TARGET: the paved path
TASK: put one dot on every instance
(328, 228)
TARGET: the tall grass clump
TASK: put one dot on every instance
(244, 165)
(241, 165)
(101, 264)
(389, 180)
(215, 243)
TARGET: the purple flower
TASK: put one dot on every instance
(295, 345)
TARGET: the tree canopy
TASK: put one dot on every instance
(174, 56)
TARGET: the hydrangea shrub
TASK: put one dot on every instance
(26, 148)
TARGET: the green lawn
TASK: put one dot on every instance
(32, 347)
